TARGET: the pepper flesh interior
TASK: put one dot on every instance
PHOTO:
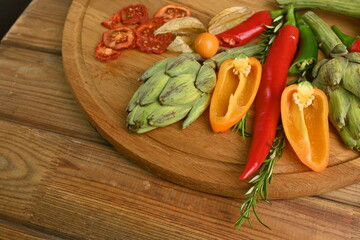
(235, 90)
(304, 113)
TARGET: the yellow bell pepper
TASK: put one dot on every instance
(304, 115)
(235, 90)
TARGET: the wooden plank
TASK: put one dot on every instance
(40, 27)
(16, 232)
(348, 195)
(33, 91)
(77, 189)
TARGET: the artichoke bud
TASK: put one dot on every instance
(197, 109)
(209, 62)
(348, 139)
(206, 79)
(159, 66)
(351, 80)
(318, 66)
(335, 70)
(339, 103)
(130, 117)
(142, 112)
(182, 65)
(166, 115)
(353, 117)
(353, 57)
(152, 88)
(135, 99)
(179, 90)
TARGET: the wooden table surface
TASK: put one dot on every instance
(59, 179)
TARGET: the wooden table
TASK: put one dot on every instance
(60, 179)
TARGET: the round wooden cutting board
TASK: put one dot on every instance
(195, 157)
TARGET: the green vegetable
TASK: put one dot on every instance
(352, 43)
(177, 88)
(348, 7)
(307, 53)
(328, 41)
(339, 77)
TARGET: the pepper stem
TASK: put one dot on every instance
(290, 16)
(346, 39)
(299, 20)
(278, 12)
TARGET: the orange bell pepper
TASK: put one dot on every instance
(235, 90)
(304, 115)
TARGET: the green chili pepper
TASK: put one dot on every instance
(307, 53)
(352, 43)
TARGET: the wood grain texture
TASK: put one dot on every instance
(348, 195)
(33, 91)
(187, 157)
(76, 189)
(16, 232)
(40, 26)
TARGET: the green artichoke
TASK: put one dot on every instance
(177, 88)
(339, 77)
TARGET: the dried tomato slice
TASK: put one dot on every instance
(152, 45)
(119, 38)
(147, 29)
(112, 22)
(134, 14)
(104, 53)
(172, 11)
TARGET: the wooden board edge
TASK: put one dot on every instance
(72, 35)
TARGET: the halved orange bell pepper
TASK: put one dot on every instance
(304, 115)
(235, 90)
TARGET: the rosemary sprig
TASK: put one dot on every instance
(259, 190)
(269, 36)
(241, 127)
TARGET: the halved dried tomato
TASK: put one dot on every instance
(134, 14)
(119, 38)
(152, 45)
(147, 41)
(112, 22)
(172, 11)
(147, 29)
(104, 53)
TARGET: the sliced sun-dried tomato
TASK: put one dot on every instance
(104, 53)
(112, 22)
(152, 45)
(147, 29)
(134, 14)
(147, 41)
(119, 38)
(172, 11)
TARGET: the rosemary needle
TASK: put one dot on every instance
(259, 190)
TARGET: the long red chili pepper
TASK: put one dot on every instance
(247, 30)
(267, 103)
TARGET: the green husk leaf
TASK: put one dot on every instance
(339, 103)
(351, 79)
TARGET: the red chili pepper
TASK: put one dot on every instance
(355, 47)
(267, 103)
(247, 30)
